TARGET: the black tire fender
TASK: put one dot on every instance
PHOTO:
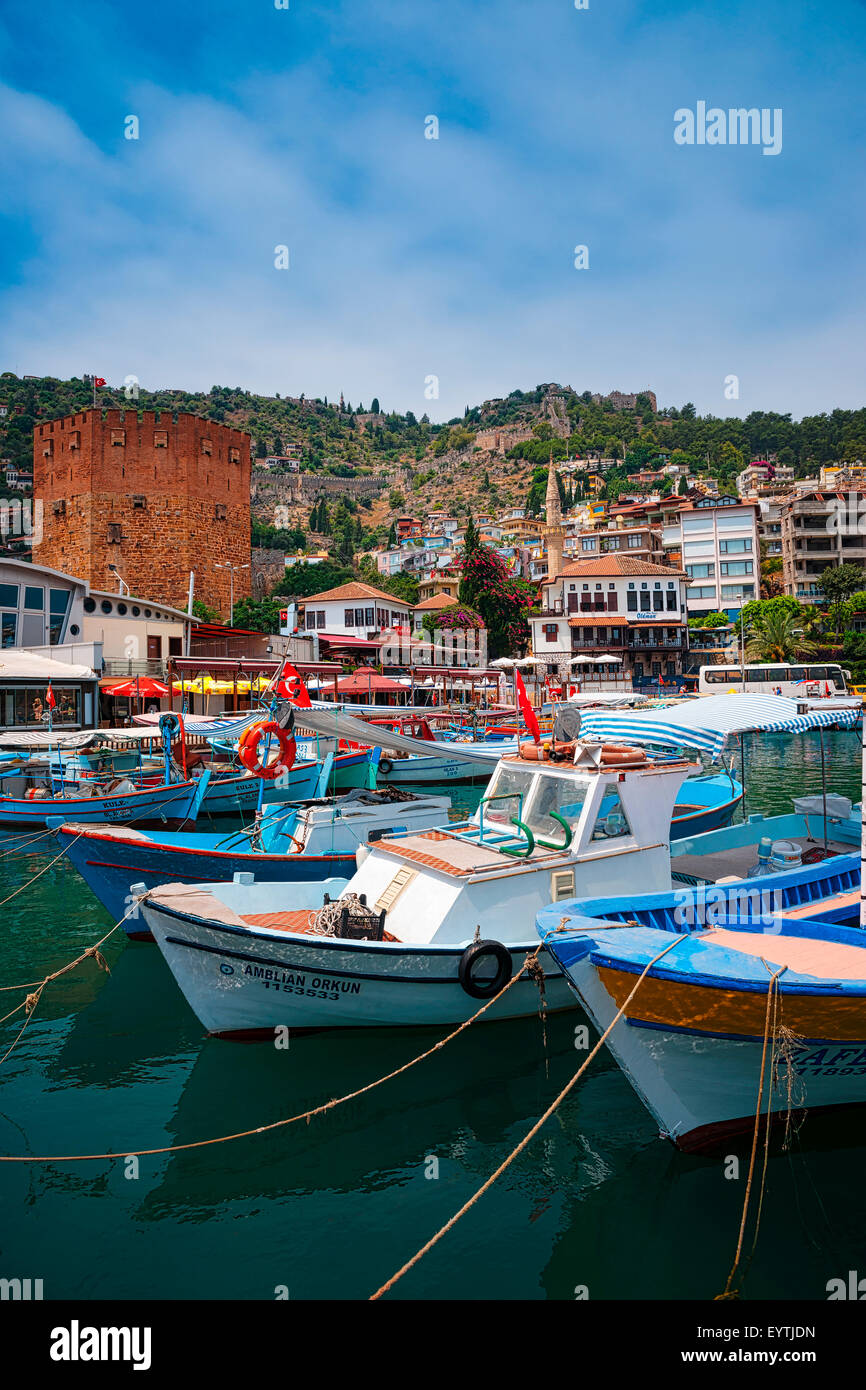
(484, 989)
(385, 766)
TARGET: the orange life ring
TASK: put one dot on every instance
(248, 750)
(621, 753)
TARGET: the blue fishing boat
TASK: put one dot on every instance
(729, 1006)
(314, 840)
(169, 805)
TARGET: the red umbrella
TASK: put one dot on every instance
(144, 686)
(366, 679)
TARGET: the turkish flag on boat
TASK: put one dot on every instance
(49, 698)
(99, 381)
(292, 688)
(525, 707)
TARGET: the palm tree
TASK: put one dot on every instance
(777, 637)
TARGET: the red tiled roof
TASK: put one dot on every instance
(436, 601)
(618, 564)
(354, 590)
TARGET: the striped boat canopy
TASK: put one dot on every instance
(708, 722)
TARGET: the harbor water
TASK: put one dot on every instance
(597, 1206)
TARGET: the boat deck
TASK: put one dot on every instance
(807, 956)
(738, 859)
(298, 922)
(459, 856)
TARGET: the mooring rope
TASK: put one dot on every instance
(443, 1230)
(772, 1011)
(290, 1119)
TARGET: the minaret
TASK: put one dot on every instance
(553, 529)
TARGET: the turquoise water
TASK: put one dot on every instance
(333, 1208)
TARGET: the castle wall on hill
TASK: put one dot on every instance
(155, 494)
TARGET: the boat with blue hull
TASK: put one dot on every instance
(168, 805)
(733, 974)
(315, 840)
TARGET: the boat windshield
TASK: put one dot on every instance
(512, 796)
(507, 794)
(564, 795)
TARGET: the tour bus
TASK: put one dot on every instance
(775, 678)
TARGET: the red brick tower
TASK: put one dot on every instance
(155, 495)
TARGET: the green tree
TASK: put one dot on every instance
(777, 636)
(257, 615)
(207, 615)
(374, 406)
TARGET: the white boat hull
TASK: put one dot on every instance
(242, 982)
(702, 1090)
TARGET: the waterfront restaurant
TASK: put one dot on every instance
(24, 681)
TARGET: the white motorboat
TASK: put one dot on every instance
(433, 922)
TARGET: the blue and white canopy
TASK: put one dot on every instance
(707, 723)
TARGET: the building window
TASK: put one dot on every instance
(701, 571)
(612, 602)
(631, 601)
(8, 627)
(735, 547)
(587, 544)
(672, 600)
(206, 446)
(219, 511)
(658, 601)
(139, 504)
(736, 567)
(349, 617)
(160, 439)
(234, 455)
(114, 532)
(551, 632)
(8, 595)
(118, 439)
(34, 598)
(635, 542)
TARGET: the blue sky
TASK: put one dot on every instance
(452, 258)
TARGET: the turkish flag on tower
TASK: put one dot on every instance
(525, 707)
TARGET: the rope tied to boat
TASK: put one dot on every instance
(305, 1115)
(770, 1031)
(527, 1138)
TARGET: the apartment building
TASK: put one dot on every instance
(764, 474)
(820, 528)
(717, 538)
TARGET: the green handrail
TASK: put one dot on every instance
(515, 849)
(551, 844)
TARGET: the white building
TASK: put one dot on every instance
(717, 538)
(354, 610)
(631, 609)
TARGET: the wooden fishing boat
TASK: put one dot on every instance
(169, 805)
(754, 1004)
(246, 955)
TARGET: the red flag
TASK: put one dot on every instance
(99, 381)
(526, 708)
(292, 688)
(49, 698)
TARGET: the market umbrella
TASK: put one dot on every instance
(144, 686)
